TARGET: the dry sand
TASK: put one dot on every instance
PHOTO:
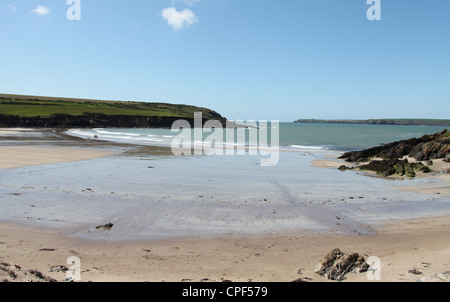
(15, 131)
(402, 246)
(23, 156)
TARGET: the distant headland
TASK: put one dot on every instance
(55, 112)
(413, 122)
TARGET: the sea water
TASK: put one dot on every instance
(292, 136)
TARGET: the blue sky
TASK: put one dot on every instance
(247, 59)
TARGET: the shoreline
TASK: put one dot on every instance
(410, 250)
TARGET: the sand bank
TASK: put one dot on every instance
(409, 250)
(22, 156)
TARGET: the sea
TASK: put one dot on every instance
(314, 137)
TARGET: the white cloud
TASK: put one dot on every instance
(179, 19)
(12, 8)
(41, 10)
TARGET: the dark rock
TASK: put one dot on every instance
(431, 150)
(420, 167)
(344, 168)
(15, 273)
(415, 272)
(390, 167)
(9, 271)
(47, 250)
(447, 159)
(336, 265)
(382, 167)
(107, 226)
(299, 280)
(409, 172)
(41, 276)
(58, 268)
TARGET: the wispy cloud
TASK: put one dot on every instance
(12, 8)
(179, 19)
(187, 2)
(41, 10)
(190, 2)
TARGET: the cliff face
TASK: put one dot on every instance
(95, 121)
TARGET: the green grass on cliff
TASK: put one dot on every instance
(31, 106)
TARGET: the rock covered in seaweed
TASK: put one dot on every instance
(399, 167)
(337, 264)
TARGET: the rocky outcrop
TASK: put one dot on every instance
(337, 264)
(426, 148)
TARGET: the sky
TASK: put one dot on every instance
(246, 59)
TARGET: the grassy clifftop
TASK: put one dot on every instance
(20, 110)
(32, 106)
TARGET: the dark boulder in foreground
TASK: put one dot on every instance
(337, 264)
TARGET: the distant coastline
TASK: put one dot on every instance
(409, 122)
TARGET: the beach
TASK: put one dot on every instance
(171, 222)
(421, 246)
